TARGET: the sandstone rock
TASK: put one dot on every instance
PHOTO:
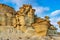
(22, 24)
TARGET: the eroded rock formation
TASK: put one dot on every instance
(25, 20)
(6, 15)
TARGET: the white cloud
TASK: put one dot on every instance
(54, 22)
(58, 19)
(40, 9)
(54, 19)
(54, 13)
(19, 3)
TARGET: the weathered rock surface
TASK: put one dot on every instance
(12, 34)
(24, 25)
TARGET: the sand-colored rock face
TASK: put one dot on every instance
(6, 14)
(24, 20)
(41, 26)
(24, 17)
(41, 30)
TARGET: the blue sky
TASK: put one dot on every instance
(50, 8)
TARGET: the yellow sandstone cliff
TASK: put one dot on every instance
(24, 20)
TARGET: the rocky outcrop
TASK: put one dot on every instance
(6, 15)
(10, 33)
(25, 21)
